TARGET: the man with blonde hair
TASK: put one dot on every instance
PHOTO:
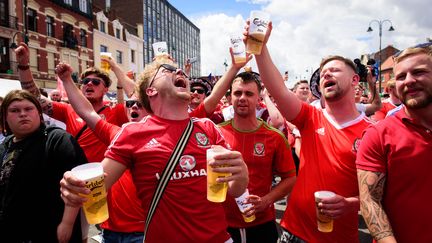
(389, 104)
(183, 214)
(394, 158)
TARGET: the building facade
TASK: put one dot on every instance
(123, 40)
(161, 22)
(55, 30)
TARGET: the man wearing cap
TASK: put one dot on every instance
(394, 158)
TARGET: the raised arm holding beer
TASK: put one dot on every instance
(329, 141)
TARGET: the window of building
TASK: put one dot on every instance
(68, 2)
(32, 19)
(119, 57)
(103, 48)
(83, 38)
(83, 5)
(50, 26)
(117, 33)
(102, 26)
(132, 56)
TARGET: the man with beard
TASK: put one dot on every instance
(394, 159)
(266, 153)
(327, 157)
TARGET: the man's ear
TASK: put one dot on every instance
(355, 80)
(151, 92)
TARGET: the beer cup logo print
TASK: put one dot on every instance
(260, 23)
(162, 50)
(187, 162)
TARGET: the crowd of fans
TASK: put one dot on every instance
(372, 151)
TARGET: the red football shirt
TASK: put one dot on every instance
(92, 146)
(266, 152)
(125, 211)
(402, 149)
(381, 113)
(184, 214)
(327, 162)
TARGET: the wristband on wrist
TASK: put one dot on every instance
(23, 67)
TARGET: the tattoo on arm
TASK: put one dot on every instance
(371, 186)
(31, 87)
(46, 105)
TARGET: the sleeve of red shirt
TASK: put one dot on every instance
(371, 155)
(105, 131)
(283, 162)
(379, 115)
(60, 110)
(302, 116)
(121, 149)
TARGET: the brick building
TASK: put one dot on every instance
(57, 30)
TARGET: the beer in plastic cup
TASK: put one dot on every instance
(105, 66)
(325, 223)
(238, 48)
(257, 29)
(216, 191)
(95, 208)
(243, 206)
(160, 48)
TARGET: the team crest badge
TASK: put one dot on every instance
(356, 145)
(202, 139)
(259, 149)
(187, 162)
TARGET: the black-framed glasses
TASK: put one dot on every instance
(168, 67)
(130, 103)
(94, 81)
(199, 91)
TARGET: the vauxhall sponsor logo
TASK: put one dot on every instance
(187, 163)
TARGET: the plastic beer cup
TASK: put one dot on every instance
(95, 208)
(325, 223)
(105, 66)
(238, 48)
(160, 48)
(257, 29)
(216, 191)
(243, 206)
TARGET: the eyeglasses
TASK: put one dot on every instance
(167, 67)
(130, 103)
(94, 81)
(200, 91)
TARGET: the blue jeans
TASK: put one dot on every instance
(119, 237)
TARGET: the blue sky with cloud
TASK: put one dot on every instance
(306, 31)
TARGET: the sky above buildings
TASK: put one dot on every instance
(306, 31)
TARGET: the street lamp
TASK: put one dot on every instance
(380, 24)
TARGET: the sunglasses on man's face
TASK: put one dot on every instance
(94, 81)
(130, 103)
(167, 67)
(199, 91)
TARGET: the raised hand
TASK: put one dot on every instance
(64, 72)
(22, 54)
